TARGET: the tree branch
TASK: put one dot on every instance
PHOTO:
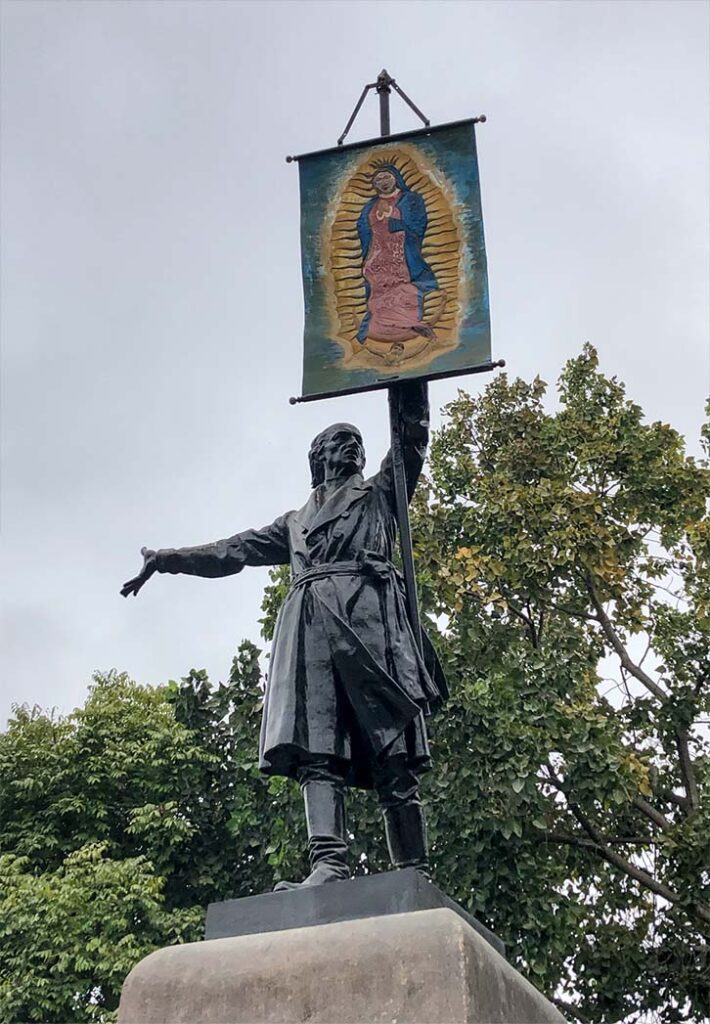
(687, 770)
(638, 874)
(682, 738)
(574, 612)
(572, 840)
(572, 1011)
(613, 637)
(667, 794)
(529, 625)
(645, 653)
(701, 910)
(650, 811)
(533, 630)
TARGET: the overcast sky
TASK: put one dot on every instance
(151, 292)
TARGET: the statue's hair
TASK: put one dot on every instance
(315, 452)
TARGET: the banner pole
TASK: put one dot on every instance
(384, 83)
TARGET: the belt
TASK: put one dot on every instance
(368, 563)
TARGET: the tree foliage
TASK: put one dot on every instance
(119, 824)
(71, 936)
(563, 557)
(567, 555)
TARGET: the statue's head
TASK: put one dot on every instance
(336, 451)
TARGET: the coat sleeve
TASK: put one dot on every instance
(268, 546)
(415, 437)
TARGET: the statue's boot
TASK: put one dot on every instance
(327, 841)
(405, 828)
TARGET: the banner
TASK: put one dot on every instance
(394, 261)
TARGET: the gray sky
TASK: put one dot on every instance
(152, 305)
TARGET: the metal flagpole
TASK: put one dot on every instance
(384, 88)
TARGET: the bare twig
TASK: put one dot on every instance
(671, 593)
(645, 653)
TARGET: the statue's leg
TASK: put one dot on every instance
(405, 826)
(324, 801)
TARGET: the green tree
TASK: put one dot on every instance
(565, 555)
(120, 823)
(70, 936)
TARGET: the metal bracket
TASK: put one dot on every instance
(383, 86)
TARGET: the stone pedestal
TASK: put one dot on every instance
(420, 967)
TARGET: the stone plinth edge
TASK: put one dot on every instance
(425, 967)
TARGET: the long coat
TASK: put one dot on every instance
(346, 679)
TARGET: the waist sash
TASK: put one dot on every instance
(368, 563)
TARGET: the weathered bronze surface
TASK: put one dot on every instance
(348, 690)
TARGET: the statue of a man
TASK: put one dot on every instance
(348, 689)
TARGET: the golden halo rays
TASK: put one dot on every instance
(441, 249)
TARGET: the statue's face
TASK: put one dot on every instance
(343, 451)
(384, 182)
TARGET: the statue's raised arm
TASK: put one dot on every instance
(415, 435)
(268, 546)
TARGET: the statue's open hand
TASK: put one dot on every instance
(149, 567)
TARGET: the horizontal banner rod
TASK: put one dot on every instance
(394, 379)
(379, 140)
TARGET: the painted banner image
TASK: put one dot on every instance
(394, 264)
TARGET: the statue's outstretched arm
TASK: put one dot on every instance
(268, 546)
(149, 567)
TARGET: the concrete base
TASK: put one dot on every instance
(424, 967)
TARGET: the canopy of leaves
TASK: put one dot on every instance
(564, 558)
(71, 936)
(119, 824)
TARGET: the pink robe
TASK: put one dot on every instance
(394, 302)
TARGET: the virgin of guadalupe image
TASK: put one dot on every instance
(391, 229)
(394, 261)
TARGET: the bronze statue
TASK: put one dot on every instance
(348, 689)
